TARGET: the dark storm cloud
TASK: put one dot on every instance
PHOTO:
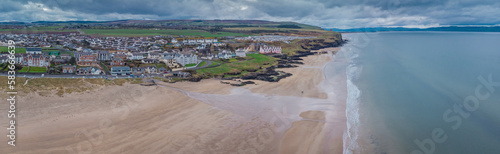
(325, 13)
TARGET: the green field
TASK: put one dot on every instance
(18, 50)
(214, 63)
(258, 61)
(39, 29)
(190, 65)
(233, 60)
(24, 70)
(203, 63)
(152, 32)
(33, 69)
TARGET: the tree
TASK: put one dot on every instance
(72, 61)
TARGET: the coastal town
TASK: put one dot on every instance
(183, 82)
(163, 56)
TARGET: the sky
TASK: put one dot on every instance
(323, 13)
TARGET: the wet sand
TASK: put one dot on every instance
(206, 117)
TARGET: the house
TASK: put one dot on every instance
(88, 71)
(68, 69)
(162, 70)
(241, 53)
(218, 44)
(136, 56)
(79, 54)
(174, 40)
(138, 70)
(65, 56)
(35, 60)
(186, 58)
(120, 70)
(181, 74)
(199, 47)
(103, 55)
(209, 56)
(170, 61)
(88, 50)
(59, 60)
(118, 60)
(150, 69)
(87, 60)
(148, 61)
(4, 59)
(120, 56)
(19, 58)
(34, 50)
(224, 55)
(191, 41)
(269, 49)
(153, 55)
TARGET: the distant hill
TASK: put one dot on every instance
(173, 23)
(444, 28)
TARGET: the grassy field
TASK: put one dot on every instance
(203, 63)
(190, 65)
(39, 29)
(214, 63)
(33, 69)
(233, 60)
(152, 32)
(18, 50)
(259, 61)
(24, 70)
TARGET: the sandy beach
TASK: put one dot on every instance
(295, 115)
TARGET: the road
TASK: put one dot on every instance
(206, 65)
(80, 76)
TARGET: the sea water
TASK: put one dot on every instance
(422, 92)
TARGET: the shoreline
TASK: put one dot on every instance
(192, 117)
(328, 133)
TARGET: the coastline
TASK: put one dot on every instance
(191, 117)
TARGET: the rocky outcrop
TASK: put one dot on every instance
(268, 74)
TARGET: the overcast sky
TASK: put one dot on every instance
(324, 13)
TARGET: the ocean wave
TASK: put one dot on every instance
(350, 136)
(352, 111)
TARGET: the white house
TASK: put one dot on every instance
(224, 55)
(269, 49)
(150, 69)
(153, 55)
(135, 56)
(184, 59)
(241, 53)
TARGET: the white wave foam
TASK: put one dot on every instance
(350, 136)
(352, 110)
